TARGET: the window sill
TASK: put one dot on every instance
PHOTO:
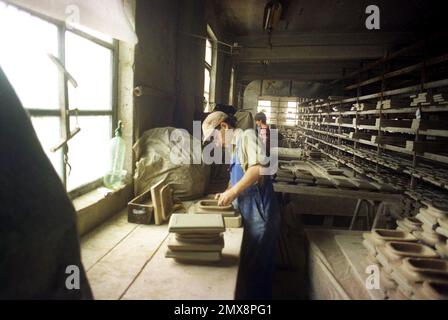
(98, 205)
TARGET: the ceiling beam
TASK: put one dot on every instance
(296, 71)
(311, 53)
(313, 39)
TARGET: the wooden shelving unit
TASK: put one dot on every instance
(385, 130)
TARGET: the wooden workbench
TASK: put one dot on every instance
(376, 202)
(340, 193)
(337, 266)
(127, 261)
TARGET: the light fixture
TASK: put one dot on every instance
(272, 14)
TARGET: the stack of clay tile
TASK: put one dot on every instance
(434, 227)
(196, 238)
(408, 270)
(284, 175)
(424, 99)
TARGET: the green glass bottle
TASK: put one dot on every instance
(115, 175)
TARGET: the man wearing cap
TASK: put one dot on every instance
(251, 191)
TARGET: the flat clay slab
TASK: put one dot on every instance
(157, 202)
(412, 222)
(404, 225)
(442, 250)
(381, 236)
(383, 187)
(427, 228)
(167, 204)
(363, 185)
(370, 247)
(372, 260)
(344, 183)
(426, 213)
(195, 223)
(233, 222)
(213, 239)
(443, 222)
(428, 238)
(434, 290)
(395, 251)
(194, 256)
(439, 209)
(386, 282)
(324, 182)
(284, 179)
(383, 260)
(424, 219)
(403, 283)
(175, 245)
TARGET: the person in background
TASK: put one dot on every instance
(251, 191)
(263, 131)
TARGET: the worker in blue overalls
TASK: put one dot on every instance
(251, 191)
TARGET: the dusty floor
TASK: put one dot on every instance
(126, 261)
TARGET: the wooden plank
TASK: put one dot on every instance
(355, 253)
(97, 243)
(339, 275)
(113, 274)
(166, 279)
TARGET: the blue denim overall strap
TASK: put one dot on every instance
(261, 218)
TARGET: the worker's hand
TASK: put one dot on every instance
(217, 196)
(227, 197)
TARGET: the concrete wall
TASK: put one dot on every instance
(169, 63)
(155, 63)
(126, 55)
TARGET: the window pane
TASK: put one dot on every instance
(266, 111)
(207, 89)
(264, 103)
(48, 130)
(206, 81)
(88, 150)
(26, 42)
(91, 66)
(208, 52)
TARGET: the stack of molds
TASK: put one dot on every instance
(375, 242)
(434, 228)
(232, 218)
(441, 98)
(196, 238)
(409, 270)
(304, 177)
(284, 176)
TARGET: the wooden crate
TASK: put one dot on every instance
(141, 209)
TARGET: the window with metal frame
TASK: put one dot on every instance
(66, 80)
(208, 73)
(281, 111)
